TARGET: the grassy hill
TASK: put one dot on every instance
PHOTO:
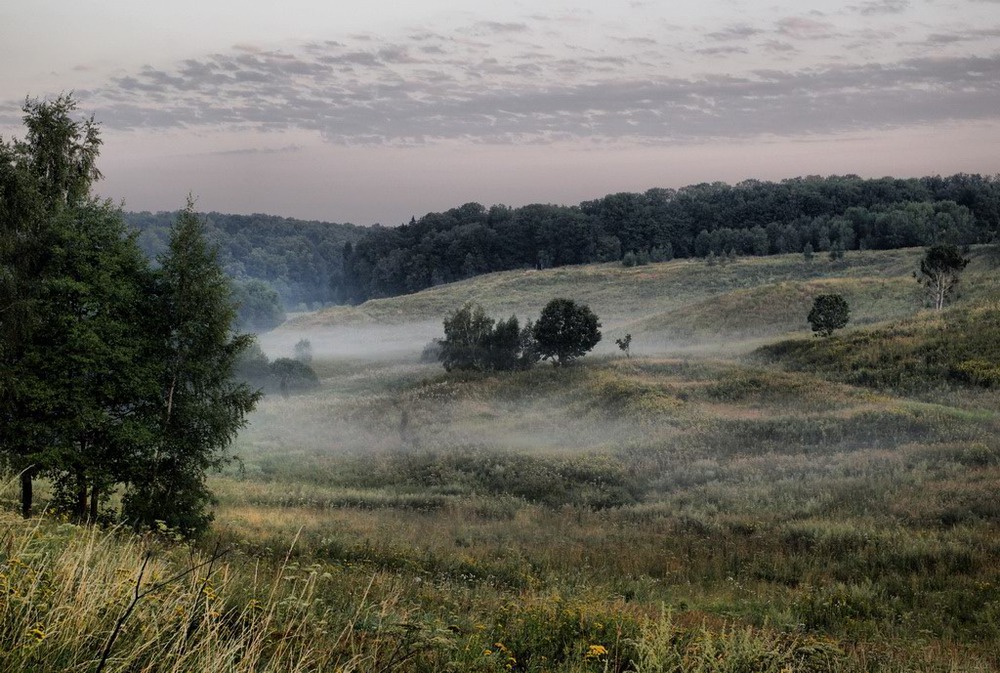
(671, 306)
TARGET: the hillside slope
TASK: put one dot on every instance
(669, 305)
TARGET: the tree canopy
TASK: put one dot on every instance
(565, 331)
(824, 215)
(474, 341)
(940, 270)
(112, 373)
(829, 312)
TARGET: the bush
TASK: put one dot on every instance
(293, 375)
(829, 312)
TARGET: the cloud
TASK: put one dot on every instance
(495, 27)
(434, 86)
(881, 7)
(778, 46)
(962, 36)
(803, 28)
(739, 31)
(246, 151)
(722, 51)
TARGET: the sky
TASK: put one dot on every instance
(376, 111)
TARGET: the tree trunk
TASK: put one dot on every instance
(26, 492)
(94, 498)
(81, 495)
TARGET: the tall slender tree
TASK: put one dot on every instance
(201, 406)
(940, 270)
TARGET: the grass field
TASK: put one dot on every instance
(815, 505)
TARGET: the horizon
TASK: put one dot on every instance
(566, 205)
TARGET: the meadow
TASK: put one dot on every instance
(736, 496)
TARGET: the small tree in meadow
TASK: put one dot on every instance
(565, 331)
(829, 312)
(940, 271)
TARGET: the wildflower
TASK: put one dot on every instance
(595, 651)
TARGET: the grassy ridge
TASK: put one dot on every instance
(617, 294)
(960, 346)
(684, 305)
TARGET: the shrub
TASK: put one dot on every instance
(829, 312)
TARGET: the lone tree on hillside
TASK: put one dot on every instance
(940, 271)
(829, 312)
(565, 331)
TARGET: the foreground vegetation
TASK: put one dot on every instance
(817, 505)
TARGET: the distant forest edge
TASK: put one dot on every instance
(272, 259)
(312, 263)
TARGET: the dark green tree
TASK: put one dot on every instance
(303, 351)
(291, 376)
(474, 341)
(201, 406)
(565, 331)
(467, 333)
(940, 270)
(68, 278)
(829, 312)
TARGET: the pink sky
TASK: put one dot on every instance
(377, 113)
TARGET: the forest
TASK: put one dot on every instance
(830, 214)
(280, 263)
(299, 260)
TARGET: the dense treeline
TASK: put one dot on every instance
(750, 218)
(300, 260)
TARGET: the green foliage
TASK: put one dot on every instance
(625, 345)
(72, 288)
(200, 406)
(303, 261)
(753, 218)
(474, 341)
(259, 308)
(292, 376)
(303, 351)
(664, 646)
(940, 271)
(565, 331)
(955, 347)
(285, 376)
(829, 312)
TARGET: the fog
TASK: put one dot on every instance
(374, 342)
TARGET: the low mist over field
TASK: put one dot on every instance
(405, 340)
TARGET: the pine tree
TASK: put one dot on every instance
(201, 406)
